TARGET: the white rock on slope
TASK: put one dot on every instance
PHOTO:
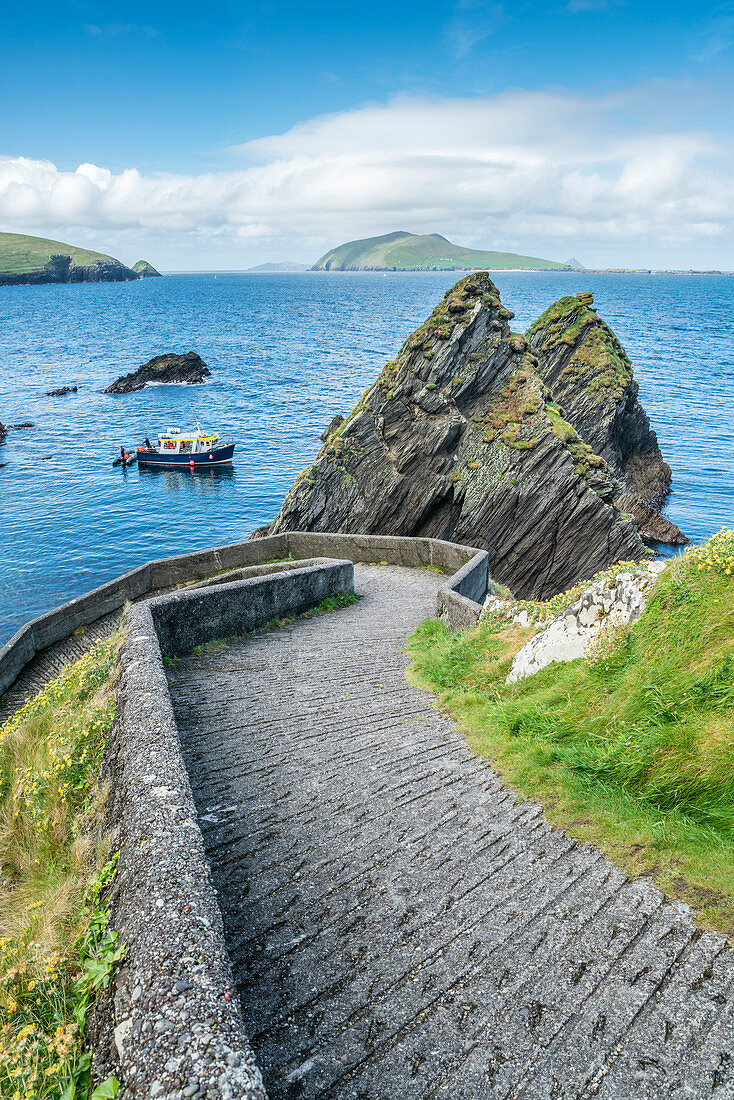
(621, 600)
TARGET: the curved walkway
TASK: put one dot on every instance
(400, 926)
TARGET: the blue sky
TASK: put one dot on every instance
(217, 133)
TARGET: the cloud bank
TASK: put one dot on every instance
(549, 172)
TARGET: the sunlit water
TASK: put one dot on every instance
(286, 353)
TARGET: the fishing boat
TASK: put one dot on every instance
(188, 449)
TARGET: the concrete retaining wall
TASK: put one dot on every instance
(191, 617)
(172, 1021)
(459, 602)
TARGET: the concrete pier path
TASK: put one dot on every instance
(399, 925)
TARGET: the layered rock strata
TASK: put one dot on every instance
(458, 439)
(189, 368)
(589, 375)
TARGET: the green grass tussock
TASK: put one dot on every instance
(632, 747)
(54, 949)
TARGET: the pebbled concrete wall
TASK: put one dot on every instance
(171, 1027)
(459, 602)
(192, 617)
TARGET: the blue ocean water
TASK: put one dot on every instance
(286, 353)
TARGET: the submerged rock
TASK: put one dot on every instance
(456, 439)
(61, 391)
(589, 375)
(189, 368)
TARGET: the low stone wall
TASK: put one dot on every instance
(171, 1027)
(194, 616)
(459, 601)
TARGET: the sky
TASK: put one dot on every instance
(221, 135)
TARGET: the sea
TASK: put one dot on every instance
(286, 353)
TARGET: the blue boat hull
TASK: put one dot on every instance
(220, 456)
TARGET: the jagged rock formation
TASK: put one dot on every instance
(189, 368)
(589, 375)
(144, 270)
(61, 391)
(456, 439)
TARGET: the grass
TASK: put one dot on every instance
(54, 950)
(20, 254)
(598, 361)
(631, 748)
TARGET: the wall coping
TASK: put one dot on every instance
(459, 600)
(174, 1014)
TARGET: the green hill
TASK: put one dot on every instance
(144, 270)
(282, 265)
(25, 259)
(402, 251)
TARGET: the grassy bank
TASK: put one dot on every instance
(632, 747)
(20, 253)
(54, 951)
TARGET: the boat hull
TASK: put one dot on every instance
(219, 456)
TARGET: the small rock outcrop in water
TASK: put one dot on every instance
(589, 375)
(459, 439)
(144, 270)
(189, 368)
(61, 391)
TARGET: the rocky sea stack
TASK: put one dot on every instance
(144, 270)
(463, 437)
(188, 368)
(587, 371)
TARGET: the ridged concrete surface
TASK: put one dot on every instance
(399, 926)
(51, 662)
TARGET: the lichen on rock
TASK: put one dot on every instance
(608, 602)
(589, 375)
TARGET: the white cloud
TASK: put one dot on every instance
(548, 172)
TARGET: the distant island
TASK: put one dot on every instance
(283, 265)
(144, 270)
(403, 251)
(25, 259)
